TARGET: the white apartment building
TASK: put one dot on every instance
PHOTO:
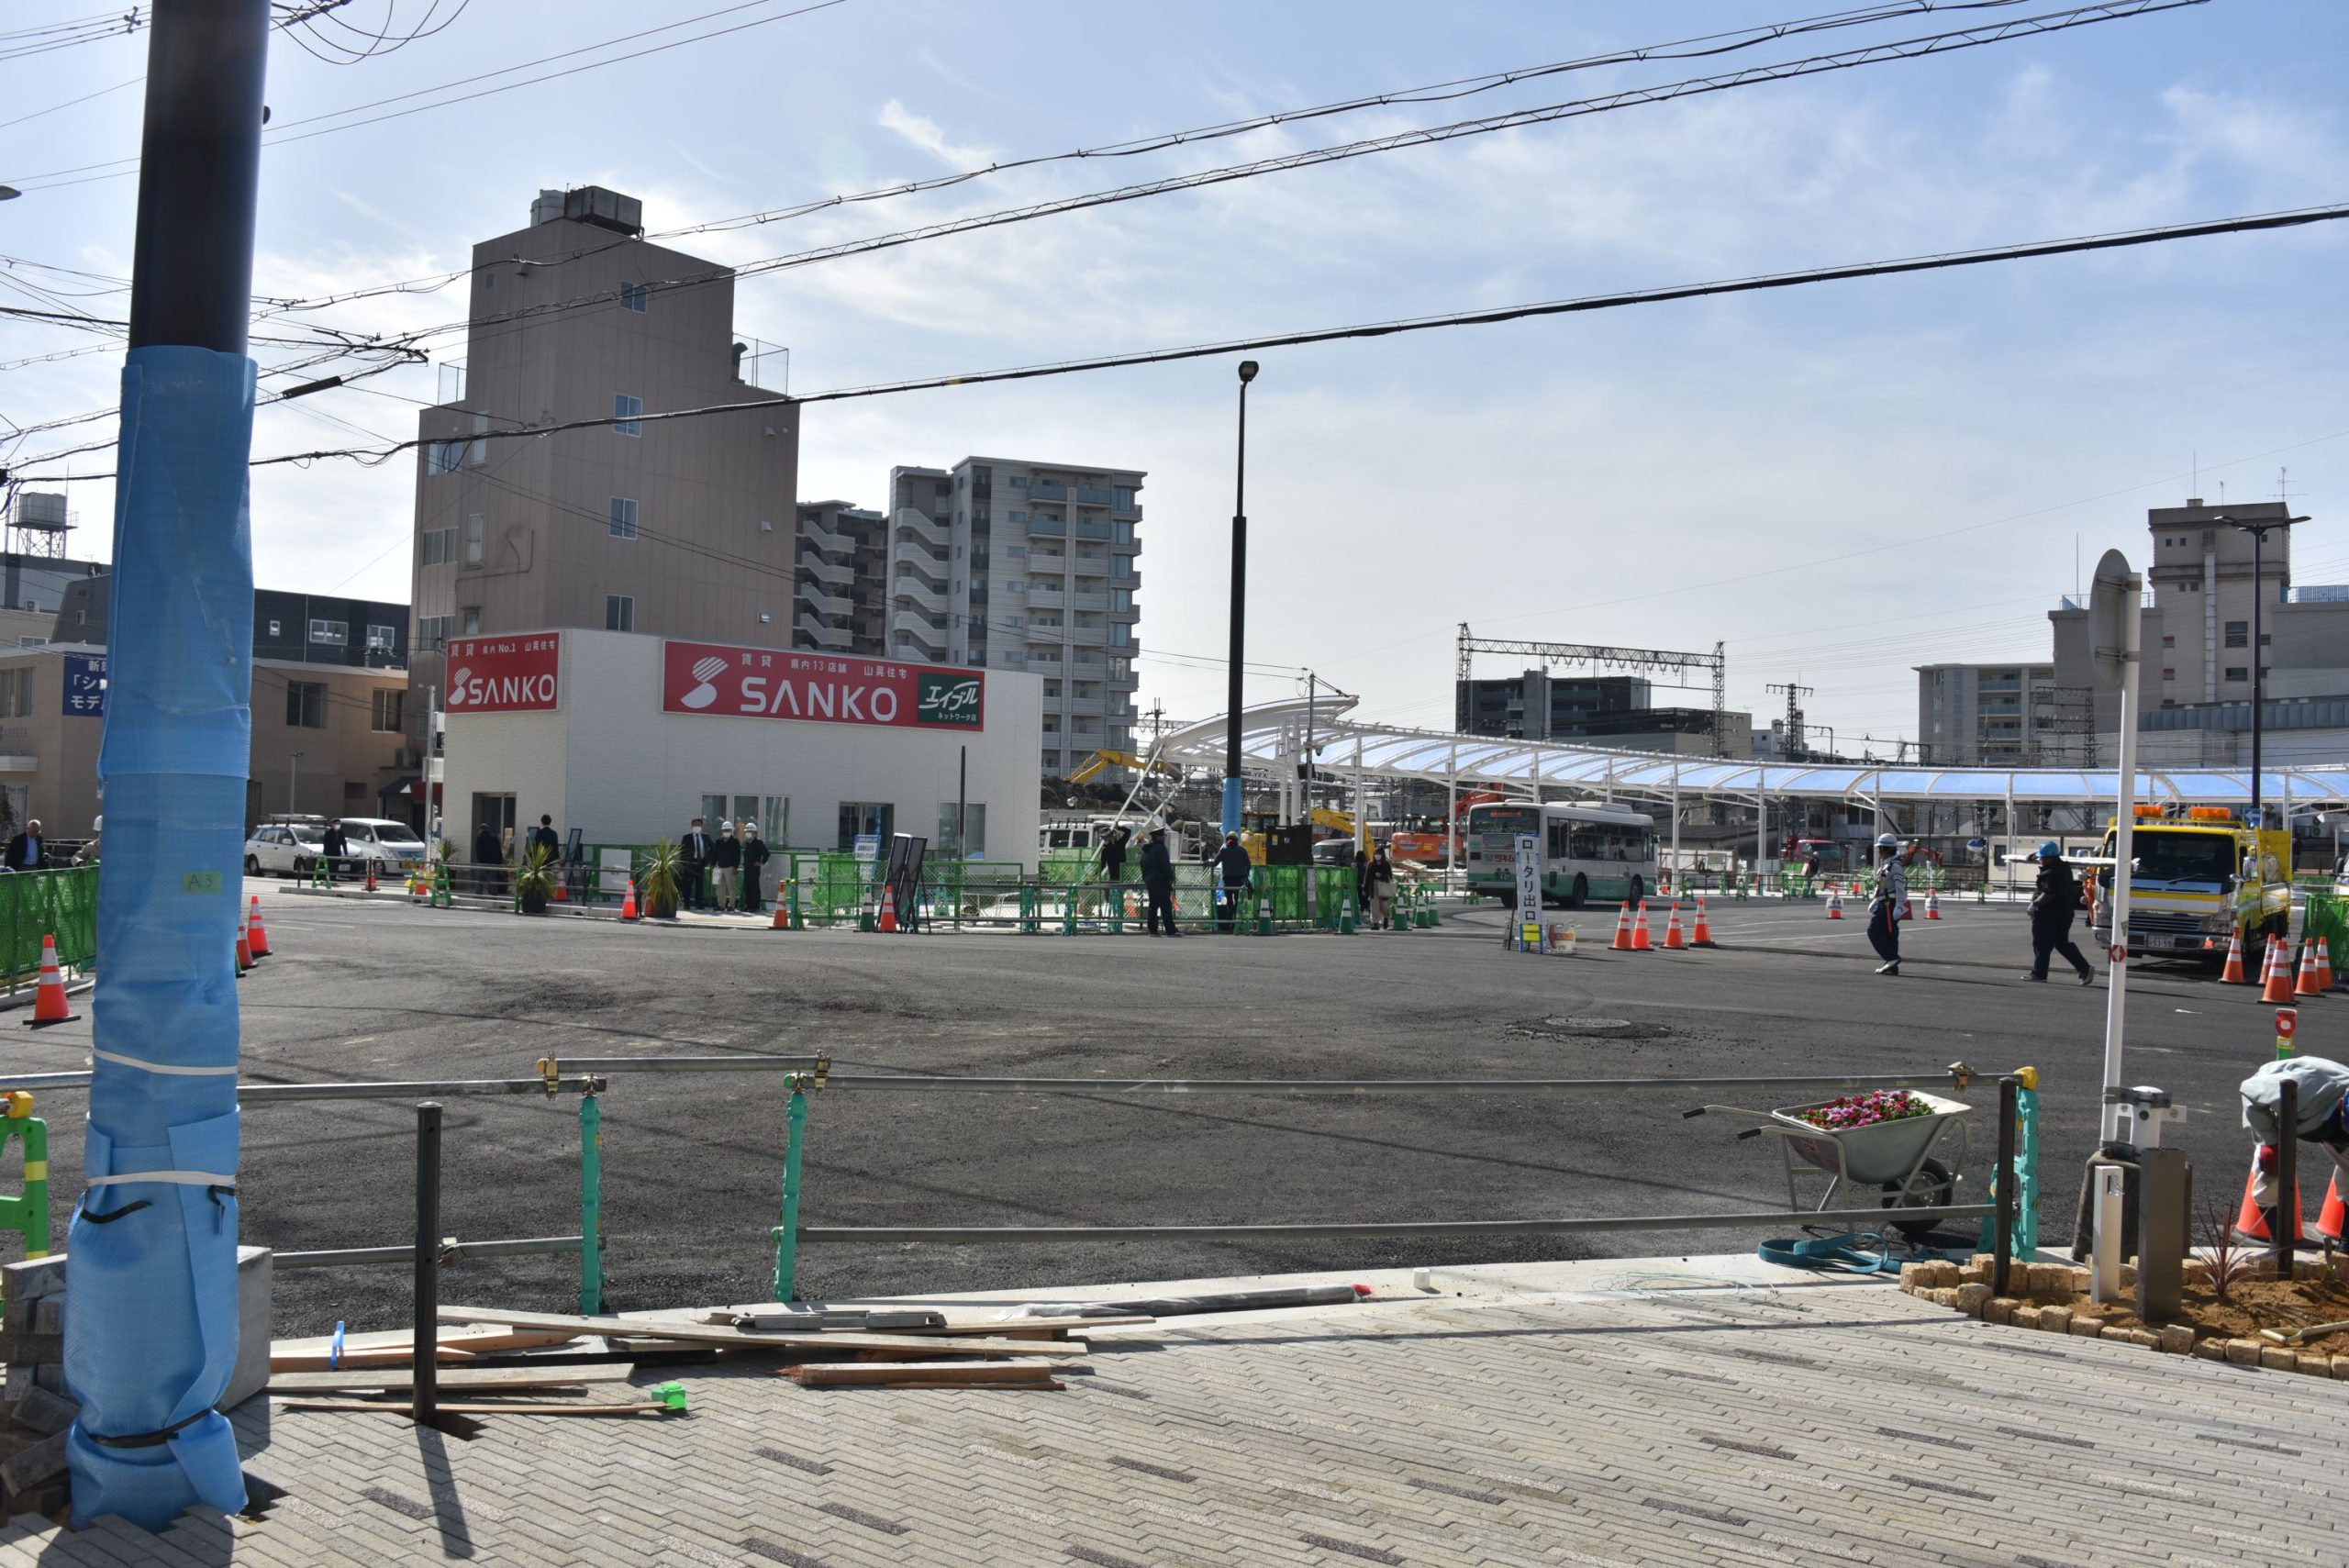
(843, 554)
(1979, 715)
(1016, 565)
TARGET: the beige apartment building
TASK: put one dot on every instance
(679, 529)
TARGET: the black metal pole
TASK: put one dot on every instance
(2258, 679)
(191, 277)
(961, 808)
(2285, 1225)
(1231, 767)
(422, 1407)
(2002, 1253)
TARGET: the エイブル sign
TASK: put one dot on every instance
(770, 682)
(504, 675)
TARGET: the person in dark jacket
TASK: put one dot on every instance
(693, 854)
(1361, 877)
(1158, 882)
(28, 851)
(1113, 856)
(2053, 902)
(728, 858)
(1231, 863)
(755, 855)
(333, 846)
(1382, 891)
(543, 836)
(489, 860)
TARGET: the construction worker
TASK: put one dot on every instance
(1888, 904)
(2322, 1106)
(1158, 882)
(727, 858)
(1232, 867)
(2052, 900)
(755, 855)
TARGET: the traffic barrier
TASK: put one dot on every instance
(26, 1213)
(2233, 973)
(1673, 939)
(1932, 904)
(1623, 942)
(1835, 904)
(1640, 943)
(49, 1001)
(2251, 1220)
(256, 935)
(2306, 983)
(2335, 1217)
(627, 906)
(1702, 937)
(2277, 977)
(36, 906)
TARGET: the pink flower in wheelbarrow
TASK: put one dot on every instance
(1865, 1110)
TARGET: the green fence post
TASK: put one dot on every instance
(590, 1207)
(27, 1213)
(787, 1235)
(2026, 1171)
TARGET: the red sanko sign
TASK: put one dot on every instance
(504, 675)
(832, 688)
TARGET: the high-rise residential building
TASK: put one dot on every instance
(683, 527)
(1024, 566)
(842, 562)
(1972, 716)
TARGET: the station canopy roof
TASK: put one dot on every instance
(1272, 739)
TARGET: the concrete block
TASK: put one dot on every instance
(2215, 1350)
(1974, 1273)
(48, 1314)
(18, 1318)
(2177, 1338)
(1999, 1309)
(35, 1465)
(2055, 1319)
(2086, 1328)
(2340, 1369)
(41, 1411)
(1971, 1299)
(2026, 1316)
(256, 1272)
(2242, 1353)
(2311, 1364)
(2277, 1358)
(32, 1279)
(50, 1375)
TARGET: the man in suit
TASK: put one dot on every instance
(693, 854)
(28, 851)
(728, 858)
(543, 836)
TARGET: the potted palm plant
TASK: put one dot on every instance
(659, 875)
(534, 880)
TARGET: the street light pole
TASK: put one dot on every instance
(2258, 532)
(293, 784)
(1231, 771)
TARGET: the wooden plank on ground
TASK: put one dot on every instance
(322, 1361)
(941, 1374)
(700, 1334)
(394, 1408)
(396, 1379)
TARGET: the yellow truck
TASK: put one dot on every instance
(2202, 875)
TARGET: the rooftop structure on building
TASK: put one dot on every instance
(1024, 565)
(684, 527)
(1616, 711)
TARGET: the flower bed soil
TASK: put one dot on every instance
(2054, 1298)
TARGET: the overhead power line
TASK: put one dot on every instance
(1588, 304)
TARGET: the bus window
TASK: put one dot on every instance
(1586, 844)
(1560, 839)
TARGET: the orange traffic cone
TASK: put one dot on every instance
(371, 876)
(1702, 937)
(1834, 905)
(256, 936)
(560, 894)
(1932, 904)
(2334, 1217)
(1640, 943)
(2232, 975)
(781, 921)
(49, 1001)
(2251, 1220)
(2324, 964)
(244, 948)
(1623, 942)
(1672, 937)
(628, 905)
(888, 908)
(2306, 983)
(2277, 975)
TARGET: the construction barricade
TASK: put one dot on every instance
(34, 904)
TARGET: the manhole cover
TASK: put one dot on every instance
(1586, 1026)
(1579, 1026)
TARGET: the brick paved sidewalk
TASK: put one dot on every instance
(1811, 1424)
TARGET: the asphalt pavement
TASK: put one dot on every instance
(693, 1164)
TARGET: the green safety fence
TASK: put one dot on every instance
(2326, 920)
(28, 1212)
(37, 904)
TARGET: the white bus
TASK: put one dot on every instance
(1589, 851)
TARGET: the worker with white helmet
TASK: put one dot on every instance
(1888, 904)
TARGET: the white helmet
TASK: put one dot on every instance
(1886, 841)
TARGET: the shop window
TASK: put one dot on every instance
(972, 842)
(860, 819)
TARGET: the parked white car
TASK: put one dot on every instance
(387, 843)
(283, 848)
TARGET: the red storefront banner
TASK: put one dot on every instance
(768, 683)
(504, 675)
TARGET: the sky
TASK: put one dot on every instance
(1837, 482)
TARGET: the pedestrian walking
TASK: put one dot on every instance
(489, 860)
(692, 856)
(543, 836)
(28, 851)
(727, 856)
(334, 846)
(2054, 900)
(755, 855)
(1381, 874)
(1362, 879)
(1888, 904)
(1158, 882)
(1232, 866)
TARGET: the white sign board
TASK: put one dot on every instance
(1529, 890)
(613, 870)
(868, 846)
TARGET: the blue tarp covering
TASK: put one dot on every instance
(151, 1330)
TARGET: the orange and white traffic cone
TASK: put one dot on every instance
(889, 909)
(49, 1001)
(1835, 904)
(2251, 1220)
(562, 896)
(1672, 936)
(628, 905)
(1623, 942)
(2307, 985)
(781, 921)
(1702, 937)
(371, 875)
(2335, 1217)
(256, 935)
(1932, 904)
(244, 948)
(2232, 975)
(2277, 977)
(1640, 943)
(2324, 964)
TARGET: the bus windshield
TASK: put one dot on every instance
(1505, 819)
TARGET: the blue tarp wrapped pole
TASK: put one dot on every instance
(150, 1324)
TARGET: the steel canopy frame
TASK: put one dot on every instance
(1270, 740)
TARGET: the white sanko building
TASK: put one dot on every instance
(628, 738)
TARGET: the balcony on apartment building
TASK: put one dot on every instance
(832, 572)
(823, 603)
(1047, 527)
(760, 364)
(1045, 595)
(912, 523)
(1092, 601)
(1047, 490)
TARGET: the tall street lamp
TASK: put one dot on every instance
(2258, 532)
(1232, 786)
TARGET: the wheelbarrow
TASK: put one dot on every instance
(1902, 1158)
